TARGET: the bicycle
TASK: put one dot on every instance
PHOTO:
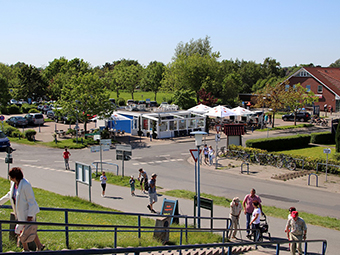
(271, 159)
(286, 161)
(221, 152)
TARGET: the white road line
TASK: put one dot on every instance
(135, 164)
(186, 153)
(151, 162)
(180, 159)
(159, 161)
(164, 155)
(143, 163)
(173, 160)
(165, 160)
(29, 160)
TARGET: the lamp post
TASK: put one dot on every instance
(198, 143)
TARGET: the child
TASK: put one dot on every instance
(132, 185)
(103, 180)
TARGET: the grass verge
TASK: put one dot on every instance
(87, 240)
(327, 222)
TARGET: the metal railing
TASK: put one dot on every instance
(115, 228)
(97, 163)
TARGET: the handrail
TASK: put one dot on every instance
(107, 163)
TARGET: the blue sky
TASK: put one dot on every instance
(292, 32)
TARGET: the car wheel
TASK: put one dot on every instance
(302, 120)
(285, 119)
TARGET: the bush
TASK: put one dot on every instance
(13, 109)
(280, 143)
(27, 107)
(322, 138)
(16, 133)
(33, 110)
(30, 134)
(4, 110)
(8, 130)
(121, 101)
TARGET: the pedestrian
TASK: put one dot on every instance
(103, 180)
(325, 107)
(255, 220)
(132, 185)
(206, 153)
(234, 214)
(152, 192)
(211, 155)
(297, 229)
(248, 208)
(330, 109)
(291, 209)
(66, 155)
(24, 206)
(143, 180)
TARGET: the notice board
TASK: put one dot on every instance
(170, 207)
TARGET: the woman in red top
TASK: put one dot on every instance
(66, 155)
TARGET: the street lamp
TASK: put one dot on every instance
(198, 143)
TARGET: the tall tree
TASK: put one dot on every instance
(153, 75)
(200, 46)
(335, 64)
(128, 77)
(84, 96)
(4, 92)
(31, 83)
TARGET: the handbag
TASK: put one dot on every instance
(28, 234)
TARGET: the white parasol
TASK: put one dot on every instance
(241, 111)
(201, 108)
(220, 111)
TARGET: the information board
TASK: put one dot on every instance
(170, 207)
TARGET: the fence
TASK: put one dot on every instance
(97, 163)
(139, 228)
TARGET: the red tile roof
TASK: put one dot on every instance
(234, 129)
(329, 76)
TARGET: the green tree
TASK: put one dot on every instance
(4, 92)
(85, 95)
(31, 83)
(153, 75)
(231, 86)
(128, 77)
(200, 46)
(335, 64)
(185, 99)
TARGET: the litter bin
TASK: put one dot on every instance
(162, 231)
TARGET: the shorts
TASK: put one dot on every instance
(205, 155)
(103, 186)
(141, 181)
(132, 187)
(152, 198)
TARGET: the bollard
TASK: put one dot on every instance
(245, 163)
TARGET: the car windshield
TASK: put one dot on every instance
(20, 118)
(2, 135)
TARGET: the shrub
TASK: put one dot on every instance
(8, 130)
(16, 133)
(13, 109)
(121, 101)
(30, 134)
(71, 131)
(322, 138)
(26, 107)
(4, 110)
(33, 110)
(280, 143)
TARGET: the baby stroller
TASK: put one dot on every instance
(264, 227)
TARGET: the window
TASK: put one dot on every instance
(319, 89)
(308, 88)
(303, 74)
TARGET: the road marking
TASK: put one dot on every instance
(151, 162)
(159, 161)
(173, 160)
(164, 156)
(186, 153)
(180, 159)
(29, 160)
(135, 164)
(165, 160)
(143, 163)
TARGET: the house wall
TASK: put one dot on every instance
(327, 96)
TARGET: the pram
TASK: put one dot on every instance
(264, 227)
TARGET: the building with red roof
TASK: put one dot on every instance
(324, 82)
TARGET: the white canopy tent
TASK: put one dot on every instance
(241, 111)
(220, 111)
(201, 108)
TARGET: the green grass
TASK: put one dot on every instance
(286, 127)
(327, 222)
(86, 240)
(311, 151)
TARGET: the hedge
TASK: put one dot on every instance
(30, 134)
(13, 109)
(322, 138)
(280, 143)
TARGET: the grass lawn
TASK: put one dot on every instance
(87, 240)
(311, 151)
(327, 222)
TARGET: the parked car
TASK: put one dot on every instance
(153, 104)
(35, 119)
(4, 141)
(40, 107)
(130, 102)
(17, 121)
(13, 101)
(46, 108)
(300, 116)
(50, 114)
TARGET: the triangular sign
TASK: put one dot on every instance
(194, 154)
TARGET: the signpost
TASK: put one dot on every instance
(8, 159)
(2, 118)
(104, 145)
(123, 152)
(327, 151)
(195, 154)
(217, 139)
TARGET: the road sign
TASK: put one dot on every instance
(218, 128)
(106, 147)
(2, 117)
(95, 148)
(122, 147)
(194, 154)
(217, 137)
(120, 157)
(126, 153)
(327, 151)
(105, 141)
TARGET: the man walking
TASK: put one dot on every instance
(143, 180)
(152, 192)
(234, 214)
(248, 208)
(297, 229)
(66, 155)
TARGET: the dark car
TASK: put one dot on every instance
(35, 118)
(153, 104)
(4, 141)
(300, 116)
(17, 121)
